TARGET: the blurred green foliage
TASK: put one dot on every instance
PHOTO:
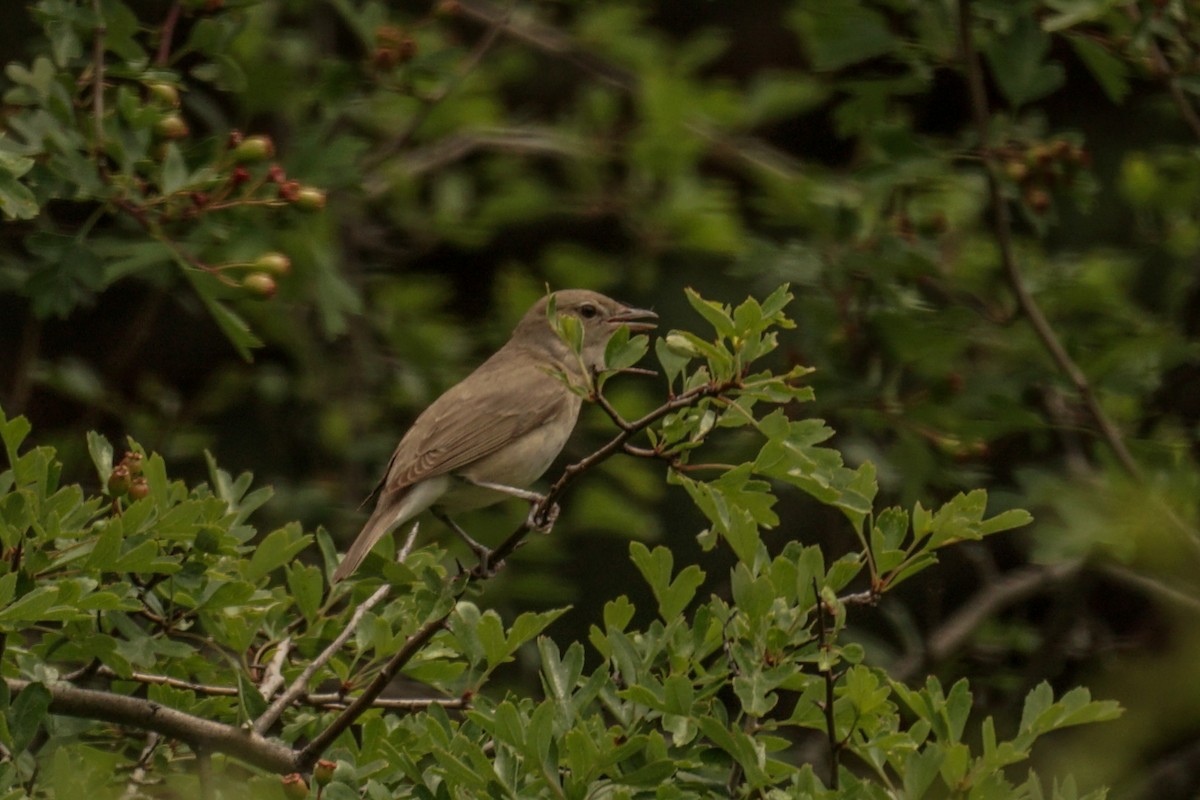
(471, 153)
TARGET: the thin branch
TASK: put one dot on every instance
(334, 701)
(273, 678)
(98, 74)
(542, 510)
(1162, 67)
(835, 746)
(361, 704)
(204, 773)
(749, 151)
(167, 34)
(299, 686)
(952, 634)
(139, 774)
(464, 68)
(134, 712)
(1002, 229)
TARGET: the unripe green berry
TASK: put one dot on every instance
(260, 284)
(323, 772)
(273, 263)
(165, 93)
(119, 481)
(133, 462)
(254, 148)
(310, 198)
(294, 786)
(172, 126)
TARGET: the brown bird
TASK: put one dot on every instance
(496, 432)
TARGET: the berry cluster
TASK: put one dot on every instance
(1041, 167)
(126, 478)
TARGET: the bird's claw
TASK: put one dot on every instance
(541, 520)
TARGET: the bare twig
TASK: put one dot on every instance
(204, 773)
(542, 510)
(135, 712)
(1002, 230)
(139, 774)
(413, 645)
(835, 745)
(748, 151)
(952, 634)
(163, 55)
(273, 678)
(1162, 67)
(98, 73)
(299, 686)
(464, 68)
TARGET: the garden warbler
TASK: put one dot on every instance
(496, 432)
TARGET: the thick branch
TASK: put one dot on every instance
(1002, 229)
(199, 733)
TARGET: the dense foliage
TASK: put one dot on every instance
(268, 232)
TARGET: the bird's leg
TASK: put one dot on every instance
(481, 551)
(534, 499)
(511, 491)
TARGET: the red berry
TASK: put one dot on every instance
(239, 176)
(139, 488)
(276, 174)
(289, 190)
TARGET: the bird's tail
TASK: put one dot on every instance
(377, 526)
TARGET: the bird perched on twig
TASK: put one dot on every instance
(496, 432)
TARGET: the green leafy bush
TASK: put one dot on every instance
(157, 629)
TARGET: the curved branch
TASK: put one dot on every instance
(198, 732)
(1002, 229)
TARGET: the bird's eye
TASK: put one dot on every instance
(587, 311)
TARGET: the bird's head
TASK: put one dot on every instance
(598, 318)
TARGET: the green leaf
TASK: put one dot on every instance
(31, 606)
(838, 33)
(101, 451)
(306, 588)
(715, 313)
(920, 770)
(278, 548)
(1017, 62)
(26, 715)
(233, 326)
(1111, 72)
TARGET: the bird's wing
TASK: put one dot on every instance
(473, 420)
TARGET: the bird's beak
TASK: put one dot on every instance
(638, 319)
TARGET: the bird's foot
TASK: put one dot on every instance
(542, 522)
